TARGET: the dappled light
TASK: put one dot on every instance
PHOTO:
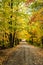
(21, 26)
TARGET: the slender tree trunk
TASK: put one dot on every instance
(11, 39)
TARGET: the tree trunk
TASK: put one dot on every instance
(11, 40)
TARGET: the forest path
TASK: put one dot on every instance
(25, 55)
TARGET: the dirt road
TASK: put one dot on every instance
(25, 55)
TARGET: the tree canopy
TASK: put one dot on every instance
(21, 19)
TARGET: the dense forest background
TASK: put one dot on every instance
(21, 19)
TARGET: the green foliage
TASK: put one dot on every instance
(15, 23)
(36, 5)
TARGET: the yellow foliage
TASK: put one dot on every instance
(40, 1)
(23, 34)
(20, 19)
(13, 17)
(7, 31)
(7, 10)
(15, 8)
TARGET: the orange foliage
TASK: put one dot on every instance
(29, 1)
(37, 16)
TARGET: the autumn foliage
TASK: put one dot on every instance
(18, 21)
